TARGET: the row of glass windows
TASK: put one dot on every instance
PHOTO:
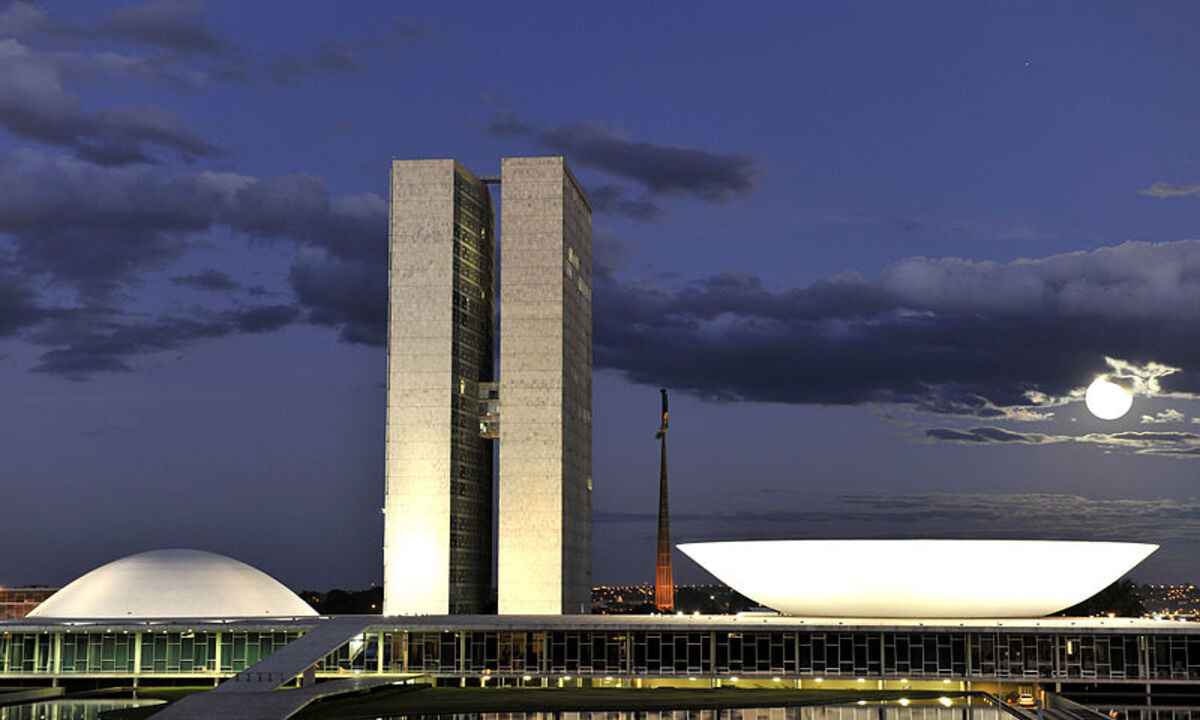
(470, 455)
(117, 652)
(808, 654)
(861, 654)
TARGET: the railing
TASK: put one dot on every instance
(1058, 704)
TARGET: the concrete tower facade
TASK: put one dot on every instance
(438, 468)
(545, 532)
(445, 405)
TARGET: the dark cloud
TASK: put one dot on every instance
(1149, 437)
(945, 335)
(35, 105)
(509, 125)
(300, 208)
(350, 295)
(660, 169)
(19, 308)
(211, 280)
(262, 319)
(101, 229)
(1182, 444)
(343, 56)
(89, 341)
(329, 58)
(984, 435)
(177, 25)
(95, 228)
(613, 199)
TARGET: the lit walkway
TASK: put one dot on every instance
(251, 694)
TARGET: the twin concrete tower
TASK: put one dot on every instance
(448, 402)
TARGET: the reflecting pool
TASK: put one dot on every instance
(69, 709)
(872, 711)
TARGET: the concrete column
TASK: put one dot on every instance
(1059, 648)
(379, 654)
(57, 667)
(217, 656)
(137, 654)
(1144, 656)
(462, 654)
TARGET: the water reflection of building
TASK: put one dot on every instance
(16, 603)
(70, 709)
(928, 710)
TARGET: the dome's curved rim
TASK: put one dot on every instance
(918, 578)
(173, 584)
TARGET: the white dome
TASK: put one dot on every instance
(173, 584)
(917, 578)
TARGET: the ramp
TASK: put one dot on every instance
(260, 704)
(250, 695)
(297, 656)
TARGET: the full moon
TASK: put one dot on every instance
(1107, 400)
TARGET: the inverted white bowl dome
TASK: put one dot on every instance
(173, 584)
(917, 578)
